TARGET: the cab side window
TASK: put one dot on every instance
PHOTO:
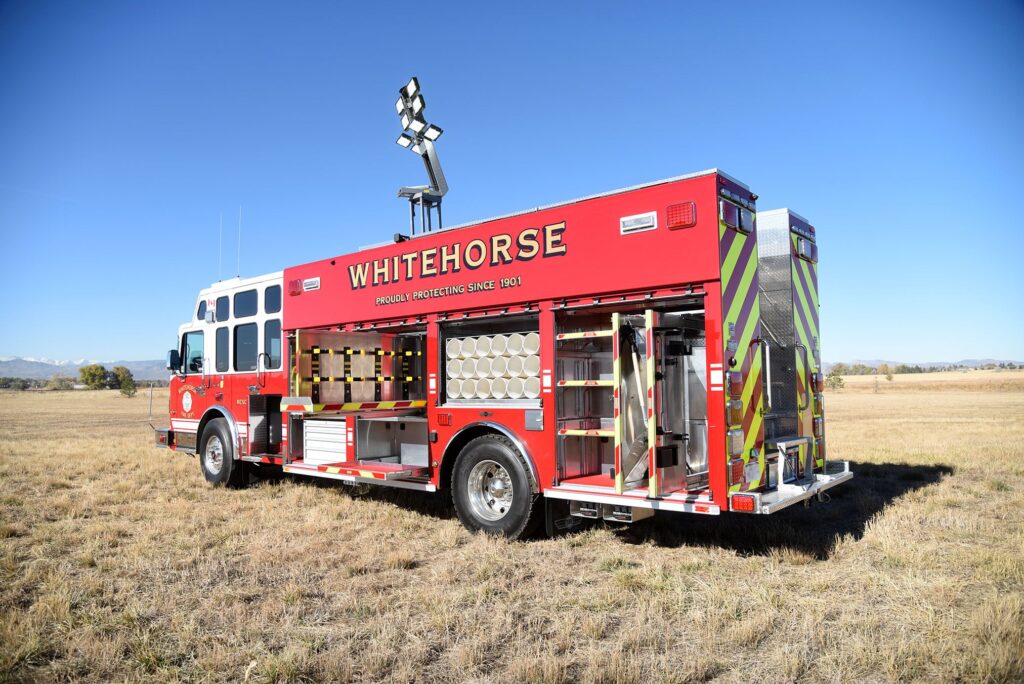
(201, 313)
(272, 299)
(223, 309)
(246, 303)
(192, 352)
(272, 343)
(246, 349)
(222, 349)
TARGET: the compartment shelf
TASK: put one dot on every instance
(584, 335)
(570, 432)
(587, 427)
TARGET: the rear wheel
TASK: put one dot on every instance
(491, 489)
(217, 456)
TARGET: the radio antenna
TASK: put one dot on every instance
(220, 251)
(238, 258)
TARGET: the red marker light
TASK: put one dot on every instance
(743, 503)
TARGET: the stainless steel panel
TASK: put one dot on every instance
(777, 322)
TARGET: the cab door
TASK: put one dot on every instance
(257, 362)
(190, 396)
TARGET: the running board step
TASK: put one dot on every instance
(369, 471)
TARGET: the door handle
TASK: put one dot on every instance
(261, 368)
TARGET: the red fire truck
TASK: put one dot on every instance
(646, 349)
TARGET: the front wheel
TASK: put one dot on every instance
(217, 456)
(491, 489)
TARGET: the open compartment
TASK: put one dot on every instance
(602, 349)
(491, 361)
(363, 401)
(357, 367)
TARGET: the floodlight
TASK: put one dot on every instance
(411, 88)
(419, 136)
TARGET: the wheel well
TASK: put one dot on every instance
(210, 415)
(451, 452)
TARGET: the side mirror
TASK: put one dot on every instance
(173, 360)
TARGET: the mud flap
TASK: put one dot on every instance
(557, 519)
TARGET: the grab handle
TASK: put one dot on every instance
(768, 368)
(807, 377)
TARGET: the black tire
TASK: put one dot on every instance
(216, 438)
(481, 465)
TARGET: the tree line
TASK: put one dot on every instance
(93, 376)
(903, 368)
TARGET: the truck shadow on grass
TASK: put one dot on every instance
(812, 530)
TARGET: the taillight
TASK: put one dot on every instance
(729, 213)
(819, 404)
(807, 250)
(819, 427)
(821, 449)
(735, 408)
(735, 471)
(734, 440)
(735, 384)
(819, 383)
(746, 220)
(743, 503)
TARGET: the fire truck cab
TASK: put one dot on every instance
(229, 377)
(647, 349)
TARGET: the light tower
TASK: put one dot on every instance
(419, 136)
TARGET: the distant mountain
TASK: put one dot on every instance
(40, 369)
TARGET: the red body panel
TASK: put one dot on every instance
(594, 259)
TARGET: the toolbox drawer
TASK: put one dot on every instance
(325, 441)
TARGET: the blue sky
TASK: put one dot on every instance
(127, 128)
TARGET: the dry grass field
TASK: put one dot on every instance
(119, 563)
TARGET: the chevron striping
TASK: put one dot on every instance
(731, 259)
(749, 271)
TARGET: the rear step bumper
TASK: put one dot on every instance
(604, 499)
(786, 495)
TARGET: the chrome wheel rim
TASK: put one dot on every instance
(213, 455)
(490, 490)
